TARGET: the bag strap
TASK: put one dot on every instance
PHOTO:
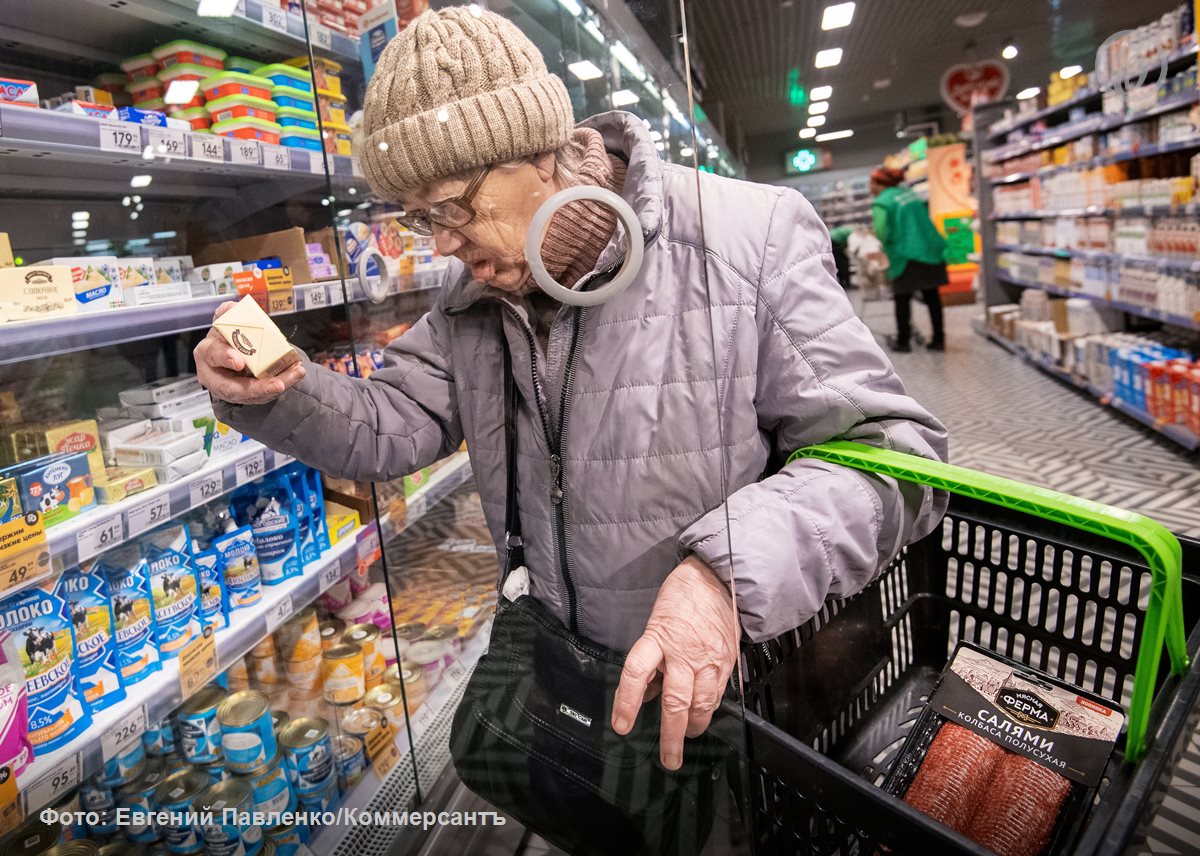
(514, 547)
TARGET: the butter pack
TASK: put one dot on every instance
(95, 279)
(158, 448)
(252, 332)
(163, 389)
(116, 483)
(36, 291)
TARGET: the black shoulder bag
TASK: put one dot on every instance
(532, 734)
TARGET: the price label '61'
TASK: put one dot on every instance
(99, 537)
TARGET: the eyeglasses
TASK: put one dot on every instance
(451, 213)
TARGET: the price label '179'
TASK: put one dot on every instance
(117, 136)
(204, 489)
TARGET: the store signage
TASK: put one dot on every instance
(965, 85)
(198, 663)
(804, 161)
(23, 553)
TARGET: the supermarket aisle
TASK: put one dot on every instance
(1010, 419)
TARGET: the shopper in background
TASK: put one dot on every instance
(839, 236)
(465, 127)
(915, 251)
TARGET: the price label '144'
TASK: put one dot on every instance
(120, 738)
(208, 147)
(49, 788)
(203, 489)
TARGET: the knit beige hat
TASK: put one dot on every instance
(456, 90)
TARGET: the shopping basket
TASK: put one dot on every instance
(1083, 591)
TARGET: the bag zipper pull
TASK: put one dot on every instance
(556, 491)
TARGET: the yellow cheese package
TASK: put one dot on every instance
(37, 291)
(10, 499)
(340, 521)
(81, 435)
(116, 483)
(254, 335)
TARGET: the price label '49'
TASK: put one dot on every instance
(120, 738)
(99, 537)
(249, 469)
(49, 788)
(117, 136)
(206, 488)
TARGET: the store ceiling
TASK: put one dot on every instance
(748, 48)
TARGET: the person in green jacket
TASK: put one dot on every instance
(915, 251)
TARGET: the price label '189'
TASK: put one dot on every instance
(246, 152)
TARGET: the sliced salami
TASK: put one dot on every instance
(1022, 805)
(954, 776)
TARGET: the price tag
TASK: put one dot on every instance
(247, 152)
(168, 142)
(208, 147)
(316, 297)
(382, 749)
(99, 537)
(23, 552)
(276, 157)
(10, 801)
(278, 614)
(368, 547)
(322, 37)
(336, 298)
(274, 18)
(205, 488)
(356, 167)
(116, 136)
(240, 8)
(198, 663)
(282, 460)
(120, 737)
(316, 163)
(330, 576)
(51, 787)
(148, 514)
(423, 718)
(455, 673)
(249, 469)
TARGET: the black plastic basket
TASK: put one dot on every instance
(830, 704)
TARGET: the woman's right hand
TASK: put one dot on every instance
(221, 370)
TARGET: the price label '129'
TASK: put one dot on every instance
(249, 469)
(203, 489)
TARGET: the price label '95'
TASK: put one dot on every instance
(117, 136)
(99, 537)
(203, 489)
(121, 737)
(49, 788)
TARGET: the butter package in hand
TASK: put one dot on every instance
(253, 334)
(36, 291)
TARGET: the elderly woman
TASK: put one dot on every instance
(619, 454)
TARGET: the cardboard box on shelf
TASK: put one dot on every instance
(81, 435)
(6, 253)
(288, 245)
(95, 280)
(158, 448)
(164, 389)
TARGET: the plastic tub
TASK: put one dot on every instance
(287, 96)
(290, 117)
(241, 107)
(146, 88)
(300, 138)
(185, 71)
(139, 67)
(151, 104)
(337, 138)
(111, 81)
(197, 117)
(235, 83)
(331, 106)
(248, 129)
(285, 75)
(326, 73)
(185, 52)
(242, 64)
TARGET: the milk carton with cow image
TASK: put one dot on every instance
(99, 676)
(41, 617)
(175, 589)
(268, 506)
(214, 599)
(128, 576)
(243, 579)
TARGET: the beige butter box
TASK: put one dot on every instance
(252, 332)
(36, 291)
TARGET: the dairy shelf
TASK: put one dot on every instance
(449, 477)
(999, 129)
(1175, 433)
(1162, 262)
(1188, 209)
(26, 340)
(1132, 308)
(182, 164)
(1103, 160)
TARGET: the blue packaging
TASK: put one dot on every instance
(138, 798)
(308, 753)
(199, 731)
(176, 592)
(123, 769)
(309, 551)
(247, 736)
(97, 797)
(315, 494)
(133, 614)
(40, 618)
(149, 118)
(159, 738)
(288, 839)
(229, 831)
(214, 600)
(243, 579)
(98, 675)
(269, 508)
(272, 791)
(323, 800)
(376, 28)
(59, 487)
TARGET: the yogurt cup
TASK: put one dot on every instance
(282, 74)
(248, 129)
(332, 106)
(291, 117)
(337, 139)
(183, 51)
(326, 73)
(300, 138)
(139, 67)
(290, 96)
(197, 117)
(241, 107)
(235, 83)
(242, 64)
(146, 89)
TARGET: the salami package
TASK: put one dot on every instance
(1006, 755)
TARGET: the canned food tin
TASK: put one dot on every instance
(344, 680)
(268, 848)
(269, 783)
(387, 699)
(199, 731)
(322, 800)
(279, 721)
(406, 635)
(238, 675)
(264, 648)
(351, 760)
(366, 636)
(299, 638)
(287, 839)
(98, 798)
(138, 798)
(447, 633)
(331, 632)
(120, 848)
(74, 848)
(304, 674)
(159, 738)
(73, 829)
(226, 827)
(246, 734)
(308, 754)
(429, 657)
(415, 688)
(361, 721)
(175, 794)
(265, 670)
(124, 768)
(215, 770)
(31, 838)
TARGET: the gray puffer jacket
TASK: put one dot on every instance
(634, 382)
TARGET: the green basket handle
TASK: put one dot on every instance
(1163, 621)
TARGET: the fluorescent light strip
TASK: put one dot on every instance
(818, 107)
(1031, 92)
(1069, 71)
(834, 135)
(623, 97)
(838, 16)
(626, 59)
(816, 121)
(571, 6)
(216, 8)
(807, 133)
(181, 91)
(821, 93)
(585, 70)
(594, 30)
(828, 57)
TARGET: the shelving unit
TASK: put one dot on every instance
(1001, 286)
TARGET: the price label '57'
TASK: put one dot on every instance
(148, 514)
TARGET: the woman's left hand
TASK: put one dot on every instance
(691, 641)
